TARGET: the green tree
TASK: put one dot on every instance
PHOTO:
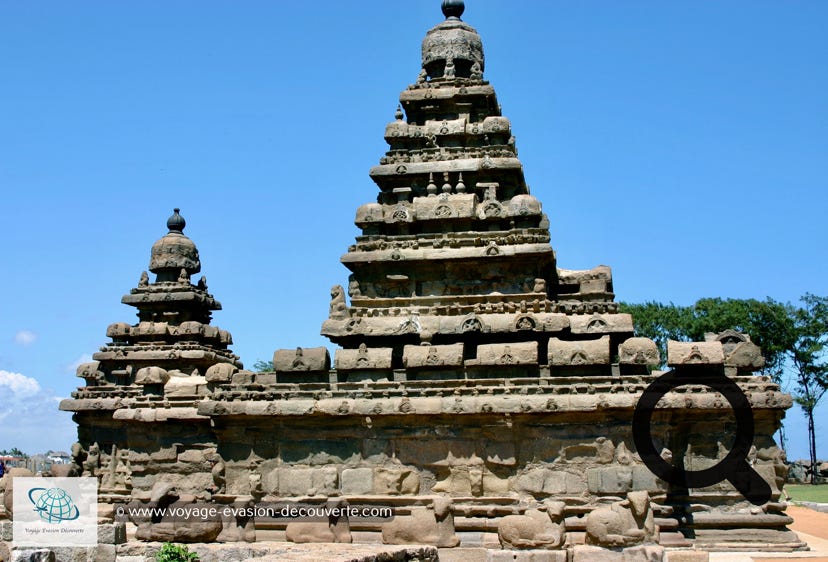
(660, 322)
(769, 324)
(261, 366)
(810, 374)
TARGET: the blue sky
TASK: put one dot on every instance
(682, 143)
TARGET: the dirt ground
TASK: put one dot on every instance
(809, 521)
(805, 521)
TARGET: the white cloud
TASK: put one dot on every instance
(25, 338)
(20, 386)
(29, 416)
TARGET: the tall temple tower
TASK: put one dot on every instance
(455, 252)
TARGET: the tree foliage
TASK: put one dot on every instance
(810, 371)
(261, 366)
(175, 553)
(14, 452)
(769, 324)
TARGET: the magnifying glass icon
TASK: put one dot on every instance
(734, 467)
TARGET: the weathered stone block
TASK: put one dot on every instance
(396, 481)
(590, 352)
(445, 206)
(102, 553)
(501, 454)
(301, 359)
(610, 479)
(644, 479)
(357, 481)
(524, 353)
(112, 533)
(600, 323)
(363, 358)
(646, 553)
(425, 356)
(319, 451)
(220, 372)
(546, 481)
(427, 452)
(151, 375)
(308, 481)
(694, 353)
(524, 205)
(369, 213)
(746, 355)
(639, 351)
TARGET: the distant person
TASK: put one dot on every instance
(2, 469)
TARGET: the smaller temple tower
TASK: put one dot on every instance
(155, 370)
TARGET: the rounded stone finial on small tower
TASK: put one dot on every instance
(174, 252)
(176, 222)
(453, 8)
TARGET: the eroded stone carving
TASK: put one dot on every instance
(301, 359)
(639, 351)
(338, 308)
(626, 523)
(694, 353)
(534, 529)
(335, 530)
(363, 358)
(587, 352)
(433, 525)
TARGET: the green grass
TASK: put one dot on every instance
(807, 492)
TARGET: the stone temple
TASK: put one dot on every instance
(481, 390)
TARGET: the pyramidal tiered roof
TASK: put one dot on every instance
(456, 250)
(171, 347)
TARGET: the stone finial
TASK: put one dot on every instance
(431, 188)
(453, 9)
(460, 187)
(174, 252)
(176, 222)
(452, 43)
(398, 115)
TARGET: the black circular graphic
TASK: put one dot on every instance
(734, 467)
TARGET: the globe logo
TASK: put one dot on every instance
(53, 505)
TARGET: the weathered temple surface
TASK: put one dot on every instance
(480, 389)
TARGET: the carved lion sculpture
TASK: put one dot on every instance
(625, 523)
(432, 525)
(534, 529)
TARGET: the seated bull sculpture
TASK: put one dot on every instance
(625, 523)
